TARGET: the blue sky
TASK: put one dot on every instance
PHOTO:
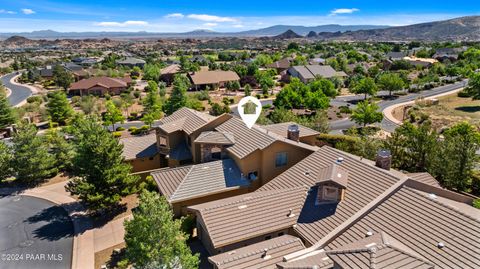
(222, 15)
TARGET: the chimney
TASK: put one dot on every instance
(384, 159)
(293, 132)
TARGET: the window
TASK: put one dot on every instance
(162, 140)
(281, 159)
(216, 153)
(330, 193)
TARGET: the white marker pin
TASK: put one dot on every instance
(249, 109)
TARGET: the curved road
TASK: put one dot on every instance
(35, 233)
(19, 93)
(387, 124)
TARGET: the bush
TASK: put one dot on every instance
(463, 94)
(117, 134)
(136, 94)
(203, 95)
(132, 129)
(108, 97)
(188, 223)
(345, 110)
(332, 140)
(476, 203)
(119, 129)
(35, 99)
(76, 99)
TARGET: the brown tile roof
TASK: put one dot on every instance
(421, 221)
(213, 77)
(365, 183)
(335, 174)
(242, 217)
(139, 146)
(171, 69)
(194, 181)
(283, 64)
(377, 251)
(281, 129)
(425, 178)
(316, 260)
(106, 82)
(212, 137)
(252, 256)
(248, 140)
(184, 119)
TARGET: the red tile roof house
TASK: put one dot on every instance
(100, 86)
(214, 79)
(349, 213)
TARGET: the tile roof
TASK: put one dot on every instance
(283, 64)
(252, 256)
(312, 71)
(131, 60)
(248, 140)
(213, 77)
(377, 251)
(171, 69)
(106, 82)
(316, 221)
(212, 137)
(139, 146)
(425, 178)
(242, 217)
(184, 119)
(179, 184)
(421, 221)
(281, 129)
(333, 173)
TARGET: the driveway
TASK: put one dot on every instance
(19, 93)
(35, 233)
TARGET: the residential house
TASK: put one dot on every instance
(168, 73)
(190, 141)
(213, 79)
(85, 61)
(423, 62)
(141, 152)
(349, 212)
(281, 65)
(100, 86)
(396, 55)
(450, 54)
(131, 62)
(307, 73)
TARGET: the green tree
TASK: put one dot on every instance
(391, 82)
(6, 113)
(366, 113)
(317, 100)
(62, 77)
(152, 103)
(32, 160)
(178, 98)
(112, 115)
(365, 86)
(474, 86)
(151, 72)
(324, 85)
(101, 175)
(455, 160)
(247, 90)
(154, 239)
(61, 149)
(6, 158)
(59, 108)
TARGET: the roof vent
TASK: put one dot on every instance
(265, 255)
(441, 245)
(369, 233)
(242, 206)
(340, 160)
(232, 252)
(290, 213)
(432, 196)
(307, 172)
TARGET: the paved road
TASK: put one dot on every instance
(37, 231)
(387, 124)
(19, 93)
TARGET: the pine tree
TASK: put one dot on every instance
(5, 161)
(102, 176)
(59, 108)
(61, 77)
(6, 114)
(178, 98)
(32, 160)
(113, 115)
(154, 238)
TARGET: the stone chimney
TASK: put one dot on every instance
(384, 159)
(293, 132)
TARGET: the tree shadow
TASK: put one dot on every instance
(58, 224)
(468, 109)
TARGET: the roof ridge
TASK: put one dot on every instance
(251, 196)
(170, 169)
(417, 192)
(255, 252)
(182, 182)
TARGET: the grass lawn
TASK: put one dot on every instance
(452, 108)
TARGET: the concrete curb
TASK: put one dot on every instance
(32, 89)
(387, 112)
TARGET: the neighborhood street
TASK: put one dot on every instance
(19, 93)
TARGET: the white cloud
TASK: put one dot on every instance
(121, 24)
(174, 16)
(27, 11)
(210, 24)
(3, 11)
(344, 11)
(210, 18)
(238, 26)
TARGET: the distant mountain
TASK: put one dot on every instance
(458, 29)
(312, 34)
(289, 34)
(304, 30)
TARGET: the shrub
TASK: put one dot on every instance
(203, 95)
(463, 94)
(136, 94)
(108, 97)
(119, 129)
(35, 99)
(476, 203)
(76, 99)
(333, 140)
(345, 110)
(132, 129)
(117, 134)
